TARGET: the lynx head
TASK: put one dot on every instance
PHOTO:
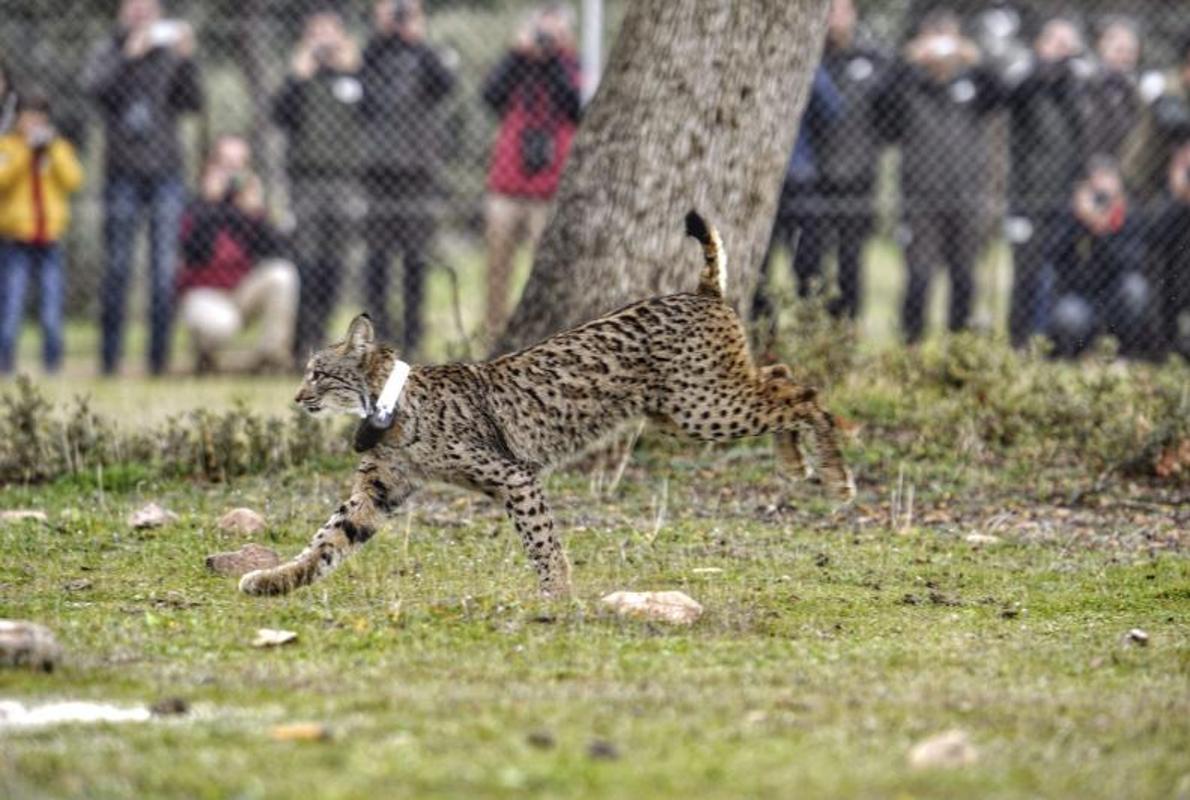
(337, 377)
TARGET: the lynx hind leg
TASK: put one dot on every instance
(796, 410)
(787, 445)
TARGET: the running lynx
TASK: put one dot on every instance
(680, 360)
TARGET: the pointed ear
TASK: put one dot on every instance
(360, 335)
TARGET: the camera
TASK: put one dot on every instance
(235, 184)
(165, 33)
(1101, 200)
(544, 41)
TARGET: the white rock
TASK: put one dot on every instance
(981, 538)
(273, 637)
(17, 515)
(1138, 636)
(27, 644)
(17, 715)
(676, 608)
(242, 520)
(952, 748)
(151, 516)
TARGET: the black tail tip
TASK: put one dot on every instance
(697, 227)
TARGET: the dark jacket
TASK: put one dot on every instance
(539, 105)
(823, 110)
(1049, 121)
(221, 243)
(140, 101)
(1164, 123)
(941, 131)
(321, 121)
(1091, 266)
(851, 146)
(1114, 109)
(403, 85)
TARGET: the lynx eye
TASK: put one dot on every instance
(316, 375)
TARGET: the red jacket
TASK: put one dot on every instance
(539, 103)
(220, 244)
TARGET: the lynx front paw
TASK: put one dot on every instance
(261, 583)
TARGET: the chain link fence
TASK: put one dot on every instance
(217, 185)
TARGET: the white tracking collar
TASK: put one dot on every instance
(391, 393)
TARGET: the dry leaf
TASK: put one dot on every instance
(273, 637)
(950, 749)
(676, 608)
(242, 520)
(151, 516)
(301, 732)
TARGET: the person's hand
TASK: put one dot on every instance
(214, 184)
(525, 41)
(39, 137)
(250, 197)
(345, 56)
(303, 65)
(184, 46)
(138, 43)
(413, 30)
(1179, 174)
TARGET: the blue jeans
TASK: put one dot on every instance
(126, 201)
(16, 262)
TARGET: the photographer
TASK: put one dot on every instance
(932, 103)
(535, 91)
(142, 78)
(318, 109)
(232, 268)
(38, 172)
(1114, 97)
(404, 82)
(1165, 123)
(1169, 248)
(1097, 255)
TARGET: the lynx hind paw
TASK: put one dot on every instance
(262, 583)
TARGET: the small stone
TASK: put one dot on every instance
(1138, 637)
(151, 516)
(77, 585)
(19, 515)
(952, 748)
(602, 750)
(981, 539)
(169, 707)
(301, 732)
(676, 608)
(242, 520)
(707, 571)
(27, 644)
(273, 637)
(542, 740)
(237, 563)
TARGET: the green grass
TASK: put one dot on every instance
(831, 644)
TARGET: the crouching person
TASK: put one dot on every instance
(233, 271)
(1097, 257)
(38, 172)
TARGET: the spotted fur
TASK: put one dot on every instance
(680, 360)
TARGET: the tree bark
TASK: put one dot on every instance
(698, 108)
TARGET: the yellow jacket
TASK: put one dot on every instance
(35, 204)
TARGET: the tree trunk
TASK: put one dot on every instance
(698, 108)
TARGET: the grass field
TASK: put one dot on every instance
(833, 640)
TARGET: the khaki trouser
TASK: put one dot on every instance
(269, 292)
(510, 221)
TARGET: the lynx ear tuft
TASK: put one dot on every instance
(360, 334)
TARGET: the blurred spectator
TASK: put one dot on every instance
(317, 109)
(1169, 247)
(1097, 254)
(232, 270)
(404, 81)
(38, 173)
(1114, 98)
(535, 91)
(1048, 107)
(932, 103)
(1165, 122)
(142, 77)
(799, 207)
(849, 154)
(8, 99)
